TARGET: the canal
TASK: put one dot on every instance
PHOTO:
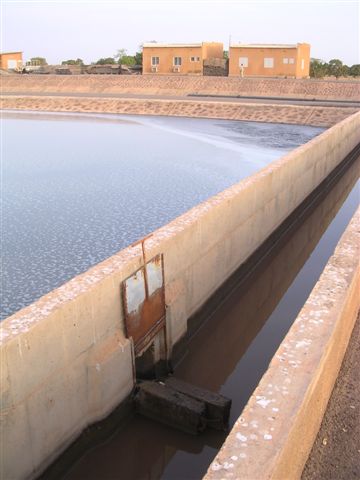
(230, 352)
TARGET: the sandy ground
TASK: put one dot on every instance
(290, 114)
(336, 451)
(182, 85)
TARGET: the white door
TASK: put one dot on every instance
(12, 64)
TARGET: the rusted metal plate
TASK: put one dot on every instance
(144, 303)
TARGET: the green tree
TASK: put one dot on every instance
(78, 61)
(335, 68)
(226, 55)
(354, 70)
(120, 54)
(106, 61)
(128, 60)
(138, 58)
(318, 68)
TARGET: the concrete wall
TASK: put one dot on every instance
(65, 359)
(275, 433)
(167, 52)
(11, 60)
(166, 56)
(181, 85)
(255, 55)
(294, 114)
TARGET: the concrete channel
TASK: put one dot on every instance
(75, 337)
(300, 252)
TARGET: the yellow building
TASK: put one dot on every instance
(11, 60)
(160, 58)
(270, 60)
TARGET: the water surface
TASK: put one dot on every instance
(78, 188)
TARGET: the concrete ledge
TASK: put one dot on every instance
(183, 85)
(290, 114)
(274, 435)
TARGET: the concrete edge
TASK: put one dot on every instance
(275, 432)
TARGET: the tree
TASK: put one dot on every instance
(226, 55)
(335, 68)
(138, 58)
(105, 61)
(78, 61)
(318, 68)
(120, 54)
(354, 70)
(128, 60)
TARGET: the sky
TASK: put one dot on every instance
(67, 29)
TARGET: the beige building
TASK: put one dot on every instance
(160, 58)
(11, 60)
(270, 60)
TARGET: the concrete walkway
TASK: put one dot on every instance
(336, 451)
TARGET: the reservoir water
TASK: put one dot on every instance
(78, 188)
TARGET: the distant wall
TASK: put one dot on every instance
(287, 61)
(182, 85)
(65, 359)
(291, 114)
(166, 59)
(11, 60)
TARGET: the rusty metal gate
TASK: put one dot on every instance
(143, 296)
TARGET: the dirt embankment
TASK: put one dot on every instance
(182, 85)
(291, 114)
(336, 451)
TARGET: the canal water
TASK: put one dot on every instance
(78, 188)
(232, 350)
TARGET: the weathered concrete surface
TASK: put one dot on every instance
(336, 452)
(276, 430)
(65, 359)
(183, 85)
(291, 114)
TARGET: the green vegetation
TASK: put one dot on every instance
(122, 58)
(335, 68)
(138, 58)
(106, 61)
(78, 61)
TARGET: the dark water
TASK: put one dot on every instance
(230, 353)
(76, 188)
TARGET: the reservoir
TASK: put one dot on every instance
(78, 188)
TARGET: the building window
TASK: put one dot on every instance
(285, 60)
(243, 62)
(268, 62)
(155, 61)
(193, 59)
(302, 64)
(177, 61)
(292, 61)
